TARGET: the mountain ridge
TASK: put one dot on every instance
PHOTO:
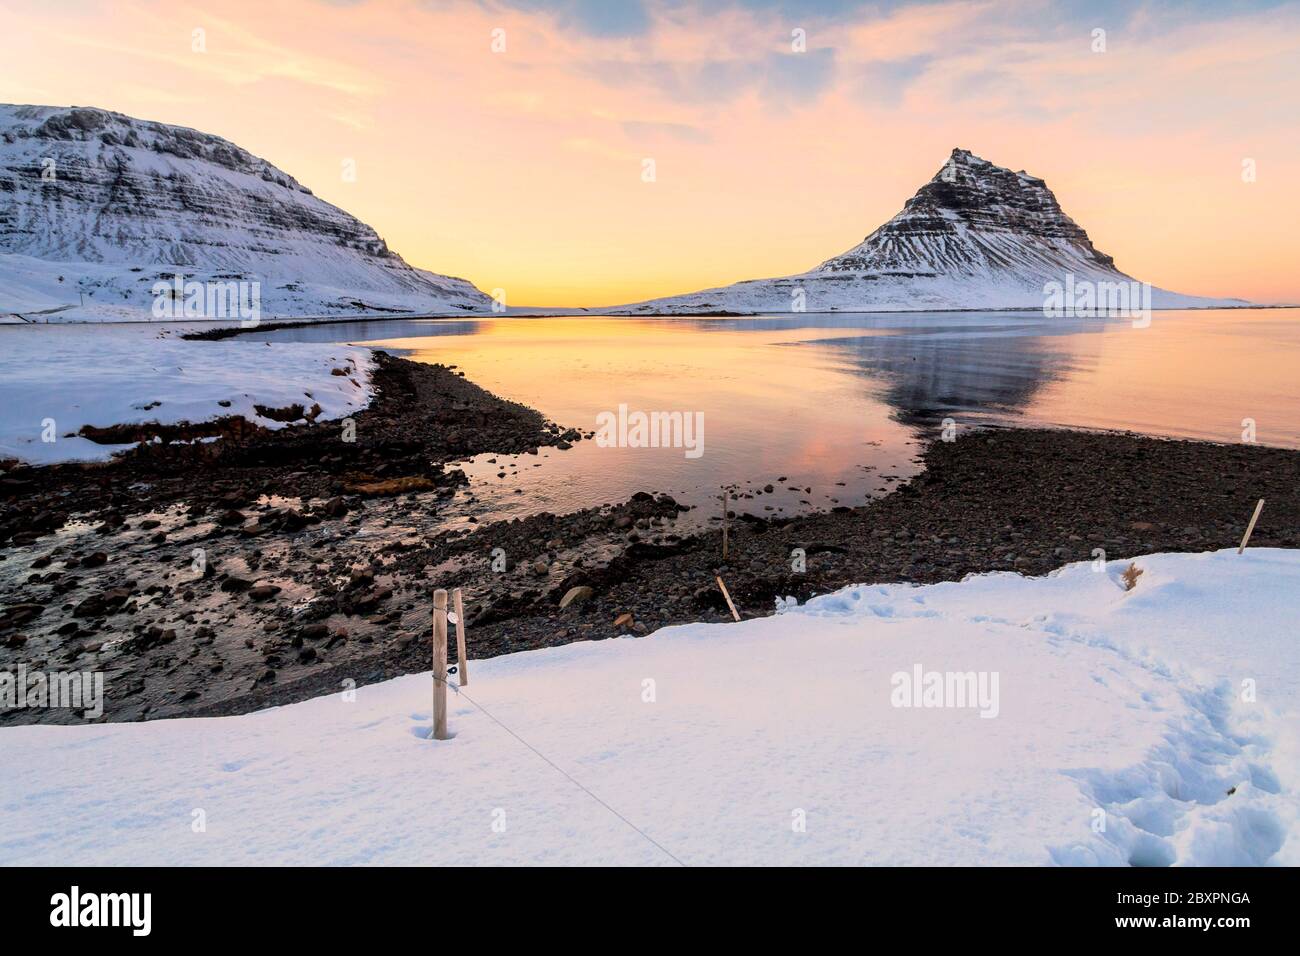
(97, 206)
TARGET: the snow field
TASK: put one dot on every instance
(103, 375)
(772, 741)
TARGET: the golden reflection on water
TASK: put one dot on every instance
(826, 399)
(771, 408)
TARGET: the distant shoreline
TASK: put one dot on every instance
(276, 325)
(229, 331)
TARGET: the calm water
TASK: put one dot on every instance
(842, 404)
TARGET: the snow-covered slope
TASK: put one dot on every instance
(1120, 733)
(58, 378)
(96, 207)
(976, 236)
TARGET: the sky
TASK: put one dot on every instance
(593, 152)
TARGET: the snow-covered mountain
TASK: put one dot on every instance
(976, 236)
(97, 207)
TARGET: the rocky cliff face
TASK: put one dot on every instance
(974, 217)
(95, 207)
(976, 236)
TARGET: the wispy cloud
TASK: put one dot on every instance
(783, 131)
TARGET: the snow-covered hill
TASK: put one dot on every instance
(97, 207)
(976, 236)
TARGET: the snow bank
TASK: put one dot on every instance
(1120, 736)
(75, 375)
(35, 291)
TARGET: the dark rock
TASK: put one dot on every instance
(106, 602)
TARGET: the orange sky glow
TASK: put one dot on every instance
(521, 168)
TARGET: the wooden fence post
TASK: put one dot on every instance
(725, 525)
(440, 664)
(462, 667)
(1251, 527)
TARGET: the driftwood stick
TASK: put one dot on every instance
(726, 595)
(1251, 527)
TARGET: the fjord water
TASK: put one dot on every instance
(838, 406)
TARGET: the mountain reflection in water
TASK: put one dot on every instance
(840, 404)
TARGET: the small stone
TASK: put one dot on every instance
(334, 508)
(577, 595)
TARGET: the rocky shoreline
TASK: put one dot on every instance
(269, 567)
(422, 417)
